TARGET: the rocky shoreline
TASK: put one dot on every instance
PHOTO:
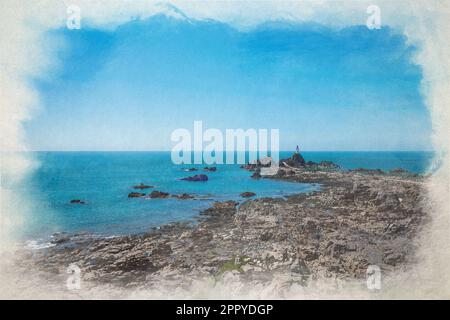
(358, 218)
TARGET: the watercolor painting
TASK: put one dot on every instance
(228, 150)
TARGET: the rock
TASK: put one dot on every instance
(300, 267)
(310, 255)
(58, 238)
(135, 263)
(256, 174)
(398, 171)
(402, 172)
(142, 186)
(191, 169)
(393, 258)
(158, 194)
(211, 169)
(249, 166)
(247, 194)
(135, 195)
(328, 165)
(225, 205)
(368, 171)
(266, 236)
(197, 177)
(162, 250)
(280, 173)
(296, 160)
(77, 201)
(183, 196)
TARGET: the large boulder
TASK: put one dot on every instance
(197, 177)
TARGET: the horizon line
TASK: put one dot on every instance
(429, 150)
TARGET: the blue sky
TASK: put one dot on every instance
(325, 89)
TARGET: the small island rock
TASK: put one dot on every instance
(135, 195)
(197, 177)
(247, 194)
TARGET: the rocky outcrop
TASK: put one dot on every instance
(224, 205)
(136, 195)
(296, 161)
(322, 165)
(142, 186)
(247, 194)
(197, 177)
(60, 237)
(161, 195)
(368, 171)
(158, 194)
(183, 196)
(210, 169)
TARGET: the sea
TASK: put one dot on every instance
(103, 181)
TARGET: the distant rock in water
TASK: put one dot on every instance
(197, 177)
(77, 201)
(211, 169)
(183, 196)
(190, 169)
(142, 186)
(158, 194)
(247, 194)
(135, 195)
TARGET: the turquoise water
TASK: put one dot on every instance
(104, 179)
